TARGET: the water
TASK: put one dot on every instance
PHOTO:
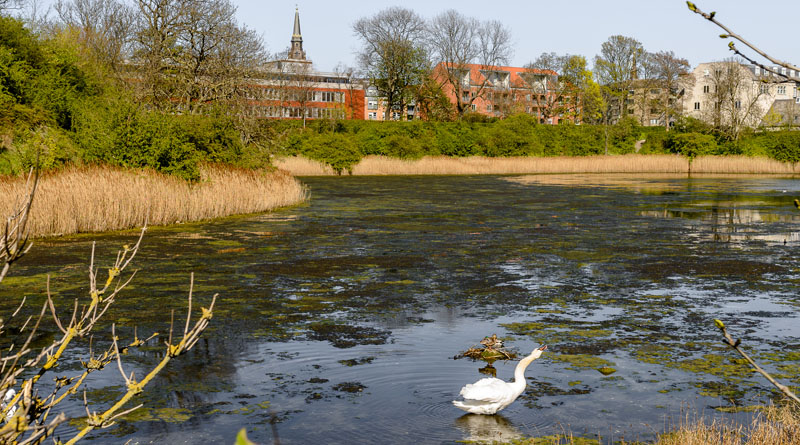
(338, 320)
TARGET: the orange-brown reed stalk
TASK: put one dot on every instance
(632, 163)
(102, 198)
(773, 426)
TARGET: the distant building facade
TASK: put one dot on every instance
(734, 94)
(499, 91)
(292, 89)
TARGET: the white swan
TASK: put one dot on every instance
(7, 398)
(490, 395)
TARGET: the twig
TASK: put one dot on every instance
(732, 46)
(735, 345)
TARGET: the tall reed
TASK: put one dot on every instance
(774, 426)
(101, 198)
(632, 163)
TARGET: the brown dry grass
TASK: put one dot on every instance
(93, 199)
(773, 426)
(633, 163)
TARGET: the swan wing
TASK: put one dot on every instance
(489, 390)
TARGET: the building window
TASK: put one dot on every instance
(706, 88)
(737, 104)
(655, 91)
(781, 89)
(372, 104)
(474, 107)
(697, 105)
(630, 110)
(488, 108)
(763, 89)
(373, 115)
(654, 122)
(465, 96)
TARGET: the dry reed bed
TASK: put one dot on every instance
(93, 199)
(774, 426)
(633, 163)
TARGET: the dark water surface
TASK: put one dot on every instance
(338, 320)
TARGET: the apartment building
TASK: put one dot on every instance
(733, 94)
(499, 91)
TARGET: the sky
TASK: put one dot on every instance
(565, 27)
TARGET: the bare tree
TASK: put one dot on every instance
(194, 51)
(457, 43)
(734, 98)
(391, 55)
(672, 74)
(347, 81)
(557, 84)
(104, 26)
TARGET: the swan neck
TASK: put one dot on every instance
(519, 372)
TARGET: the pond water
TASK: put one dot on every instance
(338, 320)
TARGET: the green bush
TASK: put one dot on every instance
(338, 150)
(691, 145)
(784, 146)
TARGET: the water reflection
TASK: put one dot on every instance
(491, 429)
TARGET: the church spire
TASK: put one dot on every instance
(296, 51)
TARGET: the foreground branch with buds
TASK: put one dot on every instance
(27, 413)
(736, 345)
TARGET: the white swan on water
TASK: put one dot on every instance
(490, 395)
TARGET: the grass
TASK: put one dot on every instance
(632, 163)
(100, 198)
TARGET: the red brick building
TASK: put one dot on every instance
(503, 90)
(292, 89)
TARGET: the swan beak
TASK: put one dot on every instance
(543, 348)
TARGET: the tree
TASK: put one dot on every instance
(194, 51)
(671, 72)
(391, 55)
(105, 27)
(734, 98)
(458, 42)
(616, 68)
(559, 85)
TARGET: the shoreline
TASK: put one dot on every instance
(92, 199)
(478, 165)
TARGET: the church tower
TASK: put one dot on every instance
(296, 50)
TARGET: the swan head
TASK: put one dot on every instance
(538, 352)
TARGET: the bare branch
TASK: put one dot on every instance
(735, 344)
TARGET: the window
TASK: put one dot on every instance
(373, 115)
(706, 89)
(654, 122)
(654, 111)
(655, 91)
(763, 89)
(737, 104)
(488, 108)
(474, 107)
(630, 110)
(465, 96)
(781, 89)
(372, 104)
(697, 105)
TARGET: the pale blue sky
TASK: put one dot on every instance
(575, 27)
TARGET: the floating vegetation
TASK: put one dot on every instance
(357, 361)
(489, 350)
(351, 387)
(347, 336)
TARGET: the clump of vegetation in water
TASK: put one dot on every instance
(490, 349)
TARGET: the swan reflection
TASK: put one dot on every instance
(482, 428)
